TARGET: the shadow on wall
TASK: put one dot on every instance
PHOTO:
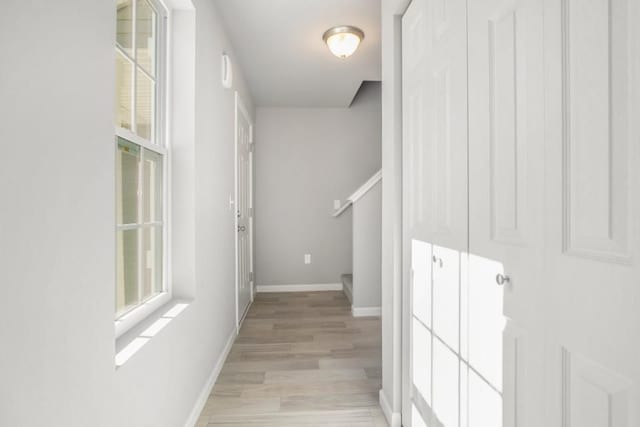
(368, 95)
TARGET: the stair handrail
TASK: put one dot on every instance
(359, 193)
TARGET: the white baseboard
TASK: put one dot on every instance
(300, 288)
(366, 311)
(206, 390)
(393, 418)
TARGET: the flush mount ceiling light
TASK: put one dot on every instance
(343, 40)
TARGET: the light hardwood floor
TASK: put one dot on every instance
(301, 359)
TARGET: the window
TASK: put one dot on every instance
(141, 159)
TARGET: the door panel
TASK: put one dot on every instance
(421, 267)
(435, 206)
(596, 137)
(435, 141)
(597, 396)
(592, 236)
(506, 207)
(421, 360)
(417, 218)
(244, 200)
(485, 403)
(486, 321)
(446, 295)
(446, 392)
(446, 131)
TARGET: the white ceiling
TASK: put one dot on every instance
(280, 49)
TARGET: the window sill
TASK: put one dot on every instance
(130, 342)
(138, 314)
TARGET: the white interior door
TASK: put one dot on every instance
(506, 211)
(592, 266)
(244, 209)
(535, 322)
(435, 207)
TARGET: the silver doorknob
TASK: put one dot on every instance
(438, 261)
(501, 279)
(241, 228)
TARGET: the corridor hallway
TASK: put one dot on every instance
(300, 359)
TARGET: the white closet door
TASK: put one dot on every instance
(506, 200)
(446, 137)
(592, 55)
(435, 124)
(435, 206)
(417, 218)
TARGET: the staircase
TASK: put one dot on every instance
(347, 286)
(362, 286)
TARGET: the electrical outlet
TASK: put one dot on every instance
(307, 258)
(336, 204)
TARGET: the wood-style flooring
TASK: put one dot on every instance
(300, 359)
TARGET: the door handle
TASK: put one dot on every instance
(501, 279)
(241, 228)
(438, 261)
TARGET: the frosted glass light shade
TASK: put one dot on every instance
(343, 41)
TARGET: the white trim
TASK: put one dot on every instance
(366, 187)
(366, 311)
(201, 401)
(393, 418)
(235, 206)
(127, 321)
(360, 193)
(144, 143)
(317, 287)
(172, 5)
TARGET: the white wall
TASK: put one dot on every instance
(57, 241)
(367, 254)
(305, 159)
(392, 11)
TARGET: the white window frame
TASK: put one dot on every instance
(159, 145)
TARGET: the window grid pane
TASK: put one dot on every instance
(140, 238)
(146, 25)
(127, 182)
(127, 294)
(140, 33)
(124, 25)
(145, 105)
(152, 187)
(152, 263)
(139, 171)
(124, 91)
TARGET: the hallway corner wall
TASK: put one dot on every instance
(305, 159)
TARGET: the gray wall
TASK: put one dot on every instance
(57, 239)
(306, 159)
(367, 250)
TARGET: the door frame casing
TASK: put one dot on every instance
(240, 108)
(392, 288)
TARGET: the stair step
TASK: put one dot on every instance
(347, 284)
(347, 279)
